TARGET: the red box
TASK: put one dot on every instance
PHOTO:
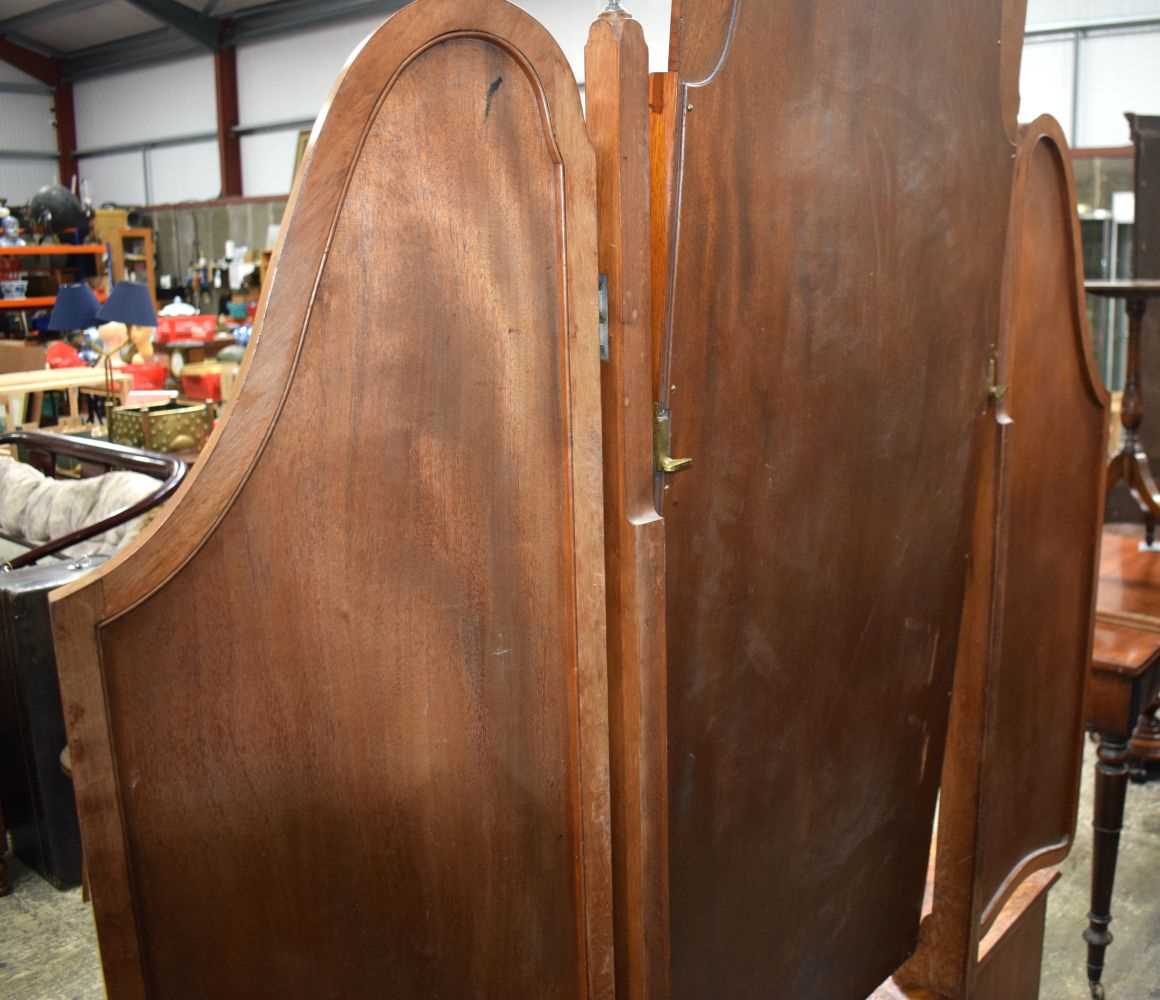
(147, 376)
(201, 385)
(170, 328)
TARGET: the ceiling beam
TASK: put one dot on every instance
(36, 89)
(204, 30)
(268, 20)
(1093, 26)
(57, 8)
(38, 66)
(145, 49)
(290, 16)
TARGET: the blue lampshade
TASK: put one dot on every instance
(75, 308)
(130, 304)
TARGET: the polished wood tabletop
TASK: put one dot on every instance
(1129, 590)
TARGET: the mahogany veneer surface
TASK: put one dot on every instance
(380, 768)
(842, 174)
(1050, 523)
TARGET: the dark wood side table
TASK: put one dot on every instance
(1131, 464)
(1125, 678)
(1123, 693)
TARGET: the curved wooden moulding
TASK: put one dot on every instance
(836, 178)
(339, 721)
(1011, 781)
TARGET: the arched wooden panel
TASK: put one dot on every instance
(338, 723)
(839, 175)
(1011, 780)
(1049, 527)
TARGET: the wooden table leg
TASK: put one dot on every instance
(1111, 788)
(1131, 464)
(1145, 745)
(5, 883)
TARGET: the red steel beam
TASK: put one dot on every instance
(33, 63)
(225, 66)
(66, 131)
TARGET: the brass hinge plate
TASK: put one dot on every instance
(662, 443)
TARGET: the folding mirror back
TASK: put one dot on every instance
(339, 721)
(1011, 780)
(831, 193)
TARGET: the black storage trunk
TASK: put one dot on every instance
(37, 797)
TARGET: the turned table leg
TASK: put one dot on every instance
(1111, 787)
(1145, 745)
(5, 884)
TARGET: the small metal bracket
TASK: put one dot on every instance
(662, 443)
(994, 390)
(605, 343)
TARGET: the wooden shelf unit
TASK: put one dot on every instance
(96, 250)
(132, 258)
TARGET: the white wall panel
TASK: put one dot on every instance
(268, 163)
(21, 179)
(26, 123)
(1044, 13)
(118, 178)
(1046, 82)
(189, 172)
(1118, 73)
(569, 21)
(289, 78)
(156, 102)
(10, 74)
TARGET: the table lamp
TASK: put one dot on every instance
(75, 308)
(127, 315)
(132, 305)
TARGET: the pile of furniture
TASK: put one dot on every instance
(673, 492)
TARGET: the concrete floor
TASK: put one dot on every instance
(1132, 971)
(48, 947)
(48, 944)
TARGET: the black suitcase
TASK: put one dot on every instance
(37, 797)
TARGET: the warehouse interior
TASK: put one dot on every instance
(822, 207)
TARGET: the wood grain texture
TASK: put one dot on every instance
(1011, 956)
(838, 219)
(1010, 783)
(382, 768)
(616, 61)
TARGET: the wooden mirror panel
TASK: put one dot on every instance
(1010, 783)
(836, 177)
(339, 721)
(1053, 497)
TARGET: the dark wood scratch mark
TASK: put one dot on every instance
(491, 92)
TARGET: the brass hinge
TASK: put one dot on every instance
(994, 390)
(605, 340)
(662, 443)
